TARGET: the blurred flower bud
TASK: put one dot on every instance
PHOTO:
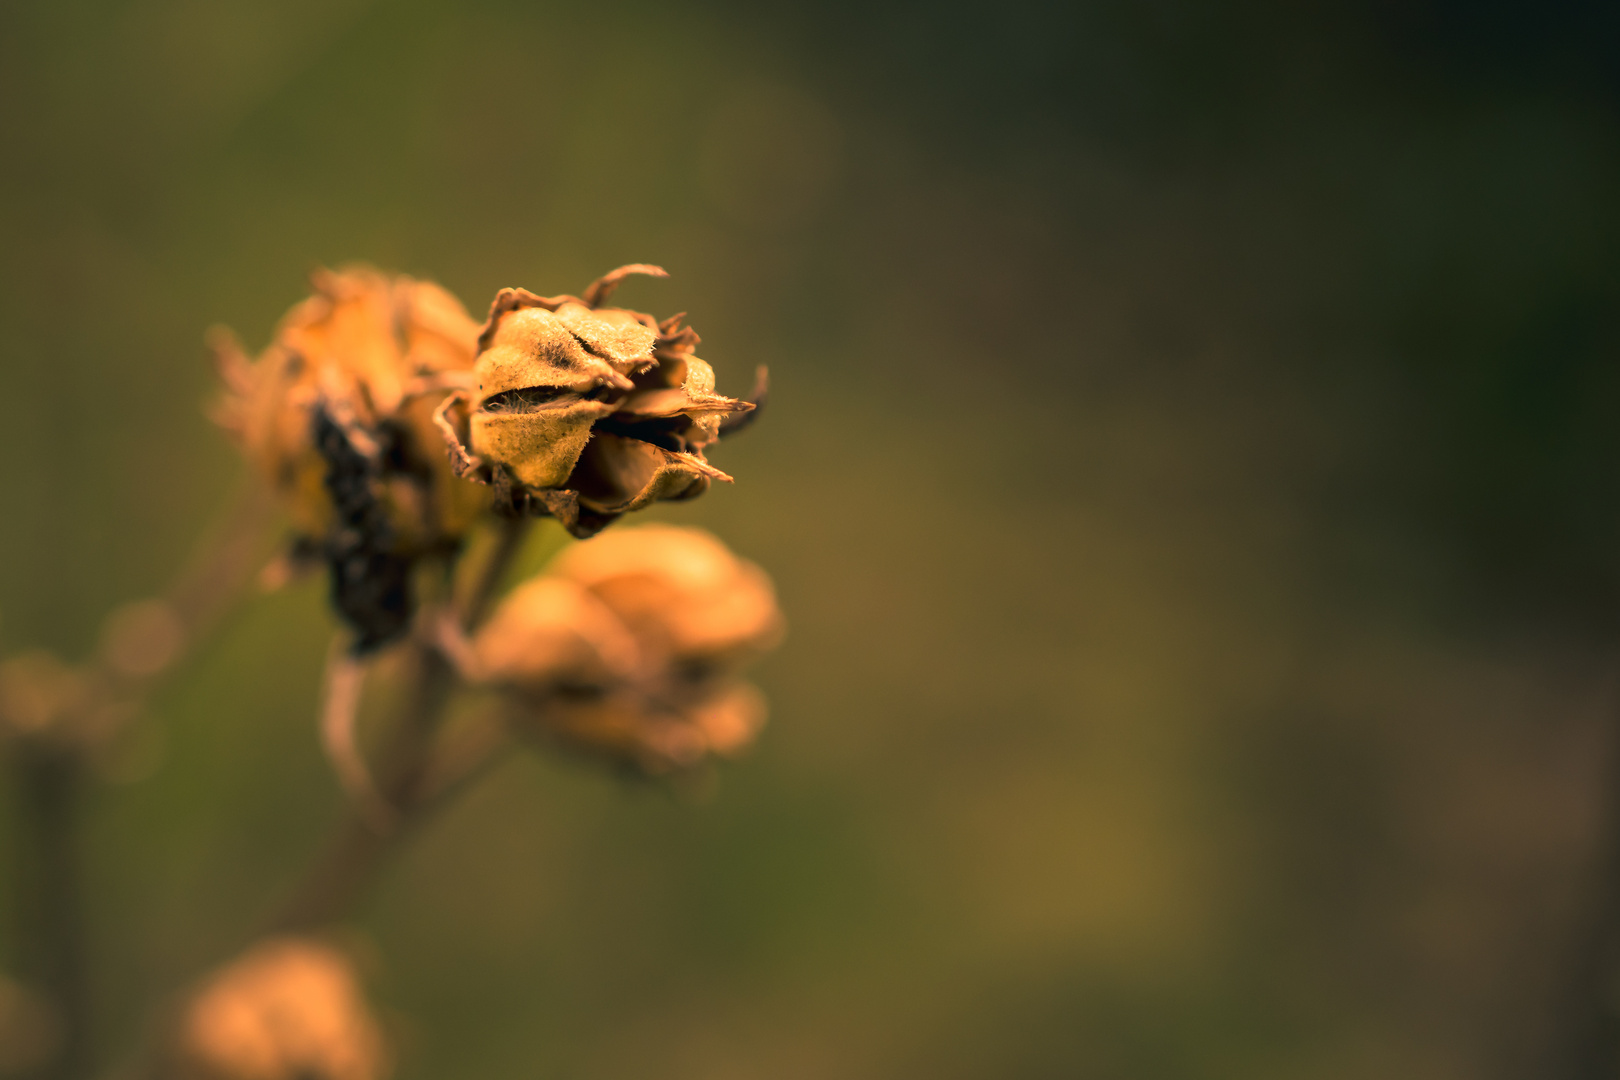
(549, 633)
(585, 412)
(39, 693)
(338, 416)
(288, 1009)
(630, 646)
(687, 599)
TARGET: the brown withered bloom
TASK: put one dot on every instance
(337, 415)
(288, 1009)
(630, 646)
(586, 412)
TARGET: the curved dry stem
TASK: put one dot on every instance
(49, 896)
(414, 772)
(340, 709)
(1590, 1021)
(462, 462)
(461, 761)
(450, 638)
(479, 594)
(414, 775)
(597, 292)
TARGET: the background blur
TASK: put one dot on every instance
(1190, 477)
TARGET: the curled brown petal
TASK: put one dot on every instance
(616, 474)
(597, 292)
(756, 399)
(461, 461)
(514, 300)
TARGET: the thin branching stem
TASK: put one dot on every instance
(481, 591)
(49, 779)
(405, 775)
(340, 710)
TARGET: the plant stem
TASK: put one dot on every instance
(52, 771)
(480, 591)
(196, 600)
(362, 844)
(49, 779)
(1590, 1014)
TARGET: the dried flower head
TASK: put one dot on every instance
(289, 1009)
(630, 645)
(586, 412)
(337, 415)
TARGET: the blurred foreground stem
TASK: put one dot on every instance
(406, 778)
(362, 845)
(1590, 1018)
(49, 781)
(55, 749)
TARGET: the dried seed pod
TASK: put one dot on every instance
(338, 416)
(685, 596)
(288, 1009)
(586, 412)
(657, 734)
(630, 646)
(549, 633)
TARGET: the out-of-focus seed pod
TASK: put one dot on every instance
(586, 412)
(685, 596)
(630, 646)
(337, 415)
(549, 633)
(288, 1009)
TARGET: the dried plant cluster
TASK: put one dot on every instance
(410, 449)
(587, 412)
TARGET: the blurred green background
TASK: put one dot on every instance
(1190, 478)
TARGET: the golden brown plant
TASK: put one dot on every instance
(391, 429)
(337, 416)
(378, 353)
(288, 1009)
(586, 412)
(630, 646)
